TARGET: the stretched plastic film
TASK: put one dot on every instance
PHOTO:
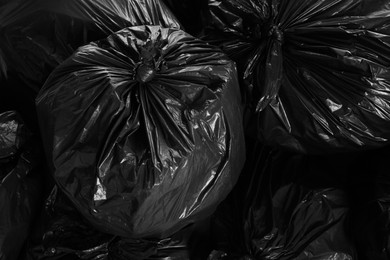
(62, 233)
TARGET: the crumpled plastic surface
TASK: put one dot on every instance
(316, 73)
(37, 35)
(144, 130)
(19, 184)
(285, 206)
(61, 233)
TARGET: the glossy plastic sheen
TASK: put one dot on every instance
(315, 73)
(144, 130)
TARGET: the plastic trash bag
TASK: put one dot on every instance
(20, 186)
(62, 233)
(37, 35)
(144, 130)
(315, 73)
(285, 206)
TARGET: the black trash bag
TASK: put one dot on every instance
(315, 73)
(285, 207)
(144, 130)
(62, 233)
(37, 35)
(20, 184)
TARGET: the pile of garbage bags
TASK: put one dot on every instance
(194, 129)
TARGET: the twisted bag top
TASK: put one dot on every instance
(143, 130)
(316, 73)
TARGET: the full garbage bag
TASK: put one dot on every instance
(286, 206)
(20, 184)
(37, 35)
(143, 130)
(315, 73)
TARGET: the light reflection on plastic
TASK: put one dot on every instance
(100, 193)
